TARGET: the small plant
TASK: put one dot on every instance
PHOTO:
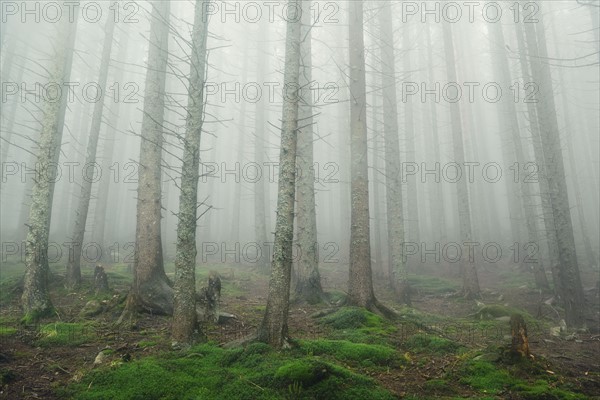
(294, 389)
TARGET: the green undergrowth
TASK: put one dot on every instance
(210, 372)
(118, 275)
(8, 325)
(426, 284)
(65, 334)
(357, 325)
(425, 343)
(416, 318)
(364, 355)
(527, 379)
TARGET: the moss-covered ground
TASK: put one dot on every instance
(443, 347)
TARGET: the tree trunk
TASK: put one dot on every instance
(184, 302)
(273, 328)
(35, 299)
(583, 222)
(308, 286)
(261, 188)
(104, 186)
(395, 225)
(237, 192)
(468, 270)
(548, 219)
(439, 217)
(74, 262)
(412, 201)
(509, 125)
(151, 290)
(378, 217)
(568, 279)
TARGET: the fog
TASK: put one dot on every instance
(240, 140)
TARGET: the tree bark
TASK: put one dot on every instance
(35, 299)
(412, 200)
(568, 279)
(583, 222)
(509, 125)
(274, 328)
(104, 186)
(261, 188)
(308, 284)
(395, 226)
(439, 216)
(184, 302)
(468, 270)
(548, 219)
(74, 262)
(151, 291)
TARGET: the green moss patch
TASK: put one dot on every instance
(353, 318)
(493, 378)
(423, 343)
(426, 284)
(64, 334)
(358, 353)
(209, 372)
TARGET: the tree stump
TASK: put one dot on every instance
(100, 280)
(210, 296)
(520, 342)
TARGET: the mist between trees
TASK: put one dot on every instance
(387, 136)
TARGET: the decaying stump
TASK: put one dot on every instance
(520, 342)
(210, 296)
(100, 280)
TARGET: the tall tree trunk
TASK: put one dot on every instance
(151, 291)
(378, 218)
(184, 302)
(583, 223)
(468, 270)
(237, 193)
(548, 219)
(308, 286)
(274, 328)
(360, 281)
(568, 278)
(74, 262)
(261, 188)
(439, 215)
(412, 201)
(395, 225)
(35, 299)
(509, 126)
(107, 155)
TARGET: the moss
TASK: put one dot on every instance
(352, 317)
(63, 334)
(7, 330)
(542, 390)
(358, 353)
(307, 372)
(423, 343)
(426, 284)
(146, 343)
(32, 317)
(209, 372)
(485, 376)
(439, 386)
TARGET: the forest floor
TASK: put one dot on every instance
(442, 347)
